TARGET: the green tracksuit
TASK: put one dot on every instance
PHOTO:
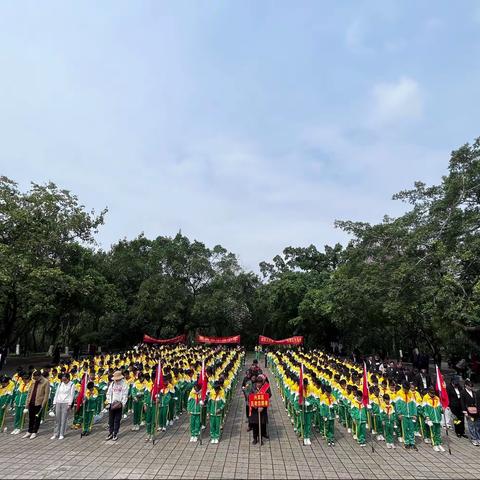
(359, 417)
(138, 394)
(305, 413)
(20, 401)
(432, 410)
(328, 411)
(89, 408)
(389, 420)
(216, 404)
(406, 410)
(194, 409)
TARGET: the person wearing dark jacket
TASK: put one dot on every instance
(423, 381)
(454, 392)
(258, 416)
(470, 408)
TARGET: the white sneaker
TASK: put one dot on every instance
(15, 432)
(389, 445)
(212, 441)
(61, 437)
(349, 430)
(32, 436)
(53, 437)
(427, 440)
(124, 415)
(305, 441)
(195, 439)
(27, 435)
(164, 429)
(191, 439)
(142, 423)
(435, 448)
(400, 439)
(418, 434)
(441, 448)
(380, 438)
(392, 445)
(176, 417)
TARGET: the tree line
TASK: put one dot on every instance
(410, 281)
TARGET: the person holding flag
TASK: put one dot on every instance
(328, 409)
(194, 407)
(89, 408)
(433, 411)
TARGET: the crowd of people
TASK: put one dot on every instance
(403, 404)
(198, 379)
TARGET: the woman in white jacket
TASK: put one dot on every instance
(62, 402)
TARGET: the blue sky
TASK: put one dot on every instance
(250, 124)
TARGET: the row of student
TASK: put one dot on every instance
(122, 381)
(333, 391)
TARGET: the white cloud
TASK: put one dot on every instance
(396, 102)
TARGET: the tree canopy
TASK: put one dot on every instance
(404, 282)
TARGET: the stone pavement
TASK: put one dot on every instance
(234, 457)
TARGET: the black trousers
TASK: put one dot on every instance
(459, 427)
(114, 417)
(34, 418)
(256, 430)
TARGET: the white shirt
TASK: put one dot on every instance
(64, 393)
(117, 392)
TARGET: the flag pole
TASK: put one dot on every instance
(446, 431)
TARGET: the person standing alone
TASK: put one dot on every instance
(117, 396)
(37, 400)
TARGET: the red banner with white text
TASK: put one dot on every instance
(179, 339)
(233, 339)
(298, 340)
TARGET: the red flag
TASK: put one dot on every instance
(365, 392)
(158, 385)
(300, 386)
(441, 388)
(83, 389)
(203, 381)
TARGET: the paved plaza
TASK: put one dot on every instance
(234, 457)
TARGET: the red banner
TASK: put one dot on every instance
(202, 339)
(179, 339)
(298, 340)
(256, 400)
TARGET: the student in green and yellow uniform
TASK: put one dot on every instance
(102, 387)
(406, 410)
(389, 420)
(89, 408)
(359, 416)
(150, 412)
(375, 418)
(6, 393)
(194, 409)
(138, 394)
(163, 405)
(55, 380)
(433, 410)
(420, 423)
(216, 404)
(328, 408)
(20, 403)
(306, 411)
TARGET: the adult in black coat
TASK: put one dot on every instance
(259, 416)
(423, 381)
(471, 409)
(454, 391)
